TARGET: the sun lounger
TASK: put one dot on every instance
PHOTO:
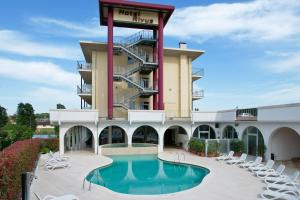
(229, 156)
(239, 160)
(254, 163)
(286, 195)
(262, 167)
(53, 164)
(50, 197)
(283, 187)
(283, 179)
(271, 172)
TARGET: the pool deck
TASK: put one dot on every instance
(226, 182)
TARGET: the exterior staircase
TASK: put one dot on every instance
(130, 47)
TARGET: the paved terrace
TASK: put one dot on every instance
(224, 182)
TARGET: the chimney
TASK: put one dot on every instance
(182, 45)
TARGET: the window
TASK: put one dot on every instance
(145, 105)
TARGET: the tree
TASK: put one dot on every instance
(11, 133)
(3, 117)
(25, 116)
(58, 106)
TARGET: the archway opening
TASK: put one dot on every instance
(145, 134)
(79, 138)
(175, 136)
(284, 144)
(229, 133)
(204, 132)
(253, 141)
(113, 135)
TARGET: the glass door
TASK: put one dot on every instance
(252, 145)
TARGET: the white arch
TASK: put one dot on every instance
(119, 126)
(284, 143)
(157, 132)
(210, 125)
(64, 128)
(223, 131)
(184, 143)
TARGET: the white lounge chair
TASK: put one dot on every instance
(239, 160)
(271, 172)
(53, 164)
(229, 156)
(262, 167)
(254, 163)
(284, 187)
(283, 179)
(57, 156)
(286, 195)
(50, 197)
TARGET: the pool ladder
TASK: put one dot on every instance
(90, 185)
(178, 154)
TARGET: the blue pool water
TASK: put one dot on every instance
(146, 174)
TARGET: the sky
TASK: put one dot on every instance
(252, 50)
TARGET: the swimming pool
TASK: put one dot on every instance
(147, 175)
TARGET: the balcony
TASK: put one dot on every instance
(86, 89)
(199, 94)
(85, 92)
(85, 71)
(249, 114)
(59, 116)
(146, 116)
(197, 73)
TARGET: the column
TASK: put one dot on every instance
(110, 135)
(160, 62)
(110, 63)
(155, 96)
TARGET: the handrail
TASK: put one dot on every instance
(198, 93)
(83, 65)
(198, 72)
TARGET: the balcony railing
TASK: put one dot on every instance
(85, 89)
(248, 114)
(198, 72)
(81, 65)
(198, 94)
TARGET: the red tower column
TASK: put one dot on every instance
(155, 96)
(160, 62)
(110, 29)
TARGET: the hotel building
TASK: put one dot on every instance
(137, 95)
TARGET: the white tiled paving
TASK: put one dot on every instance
(224, 182)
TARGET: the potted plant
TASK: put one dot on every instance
(236, 146)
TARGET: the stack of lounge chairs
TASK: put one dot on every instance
(56, 161)
(278, 186)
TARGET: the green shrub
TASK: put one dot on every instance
(237, 146)
(51, 144)
(45, 150)
(196, 145)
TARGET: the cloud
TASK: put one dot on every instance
(42, 98)
(259, 21)
(288, 62)
(37, 72)
(19, 43)
(90, 29)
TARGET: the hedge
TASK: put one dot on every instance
(16, 159)
(196, 145)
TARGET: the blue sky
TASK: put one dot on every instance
(252, 50)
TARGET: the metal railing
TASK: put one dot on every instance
(198, 93)
(141, 35)
(85, 89)
(249, 114)
(198, 72)
(83, 65)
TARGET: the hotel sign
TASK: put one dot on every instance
(135, 16)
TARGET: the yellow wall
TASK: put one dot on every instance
(177, 85)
